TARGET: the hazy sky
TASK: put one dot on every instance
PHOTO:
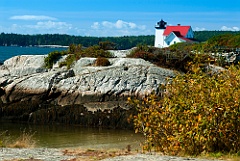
(115, 17)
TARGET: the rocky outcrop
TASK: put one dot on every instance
(20, 66)
(25, 79)
(121, 53)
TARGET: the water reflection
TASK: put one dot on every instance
(60, 136)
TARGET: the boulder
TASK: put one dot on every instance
(23, 65)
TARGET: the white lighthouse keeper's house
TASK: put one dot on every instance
(168, 35)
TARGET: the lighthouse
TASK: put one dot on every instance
(169, 35)
(159, 30)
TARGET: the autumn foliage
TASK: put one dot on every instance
(100, 61)
(197, 113)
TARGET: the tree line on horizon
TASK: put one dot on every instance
(123, 42)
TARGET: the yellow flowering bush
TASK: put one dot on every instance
(198, 113)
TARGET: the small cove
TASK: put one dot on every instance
(61, 135)
(72, 136)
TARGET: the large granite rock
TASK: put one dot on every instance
(23, 65)
(25, 78)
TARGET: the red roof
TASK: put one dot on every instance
(181, 30)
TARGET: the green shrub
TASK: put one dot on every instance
(198, 113)
(100, 61)
(96, 51)
(73, 49)
(52, 58)
(75, 52)
(69, 60)
(61, 64)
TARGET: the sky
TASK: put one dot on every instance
(115, 17)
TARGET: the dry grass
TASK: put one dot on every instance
(92, 155)
(25, 140)
(221, 156)
(4, 139)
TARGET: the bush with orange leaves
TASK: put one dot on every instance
(197, 113)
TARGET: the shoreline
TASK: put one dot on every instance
(51, 154)
(50, 46)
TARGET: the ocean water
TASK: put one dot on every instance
(7, 52)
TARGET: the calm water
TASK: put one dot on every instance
(61, 136)
(7, 52)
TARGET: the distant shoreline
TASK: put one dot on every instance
(51, 46)
(39, 46)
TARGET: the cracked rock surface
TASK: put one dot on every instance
(24, 78)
